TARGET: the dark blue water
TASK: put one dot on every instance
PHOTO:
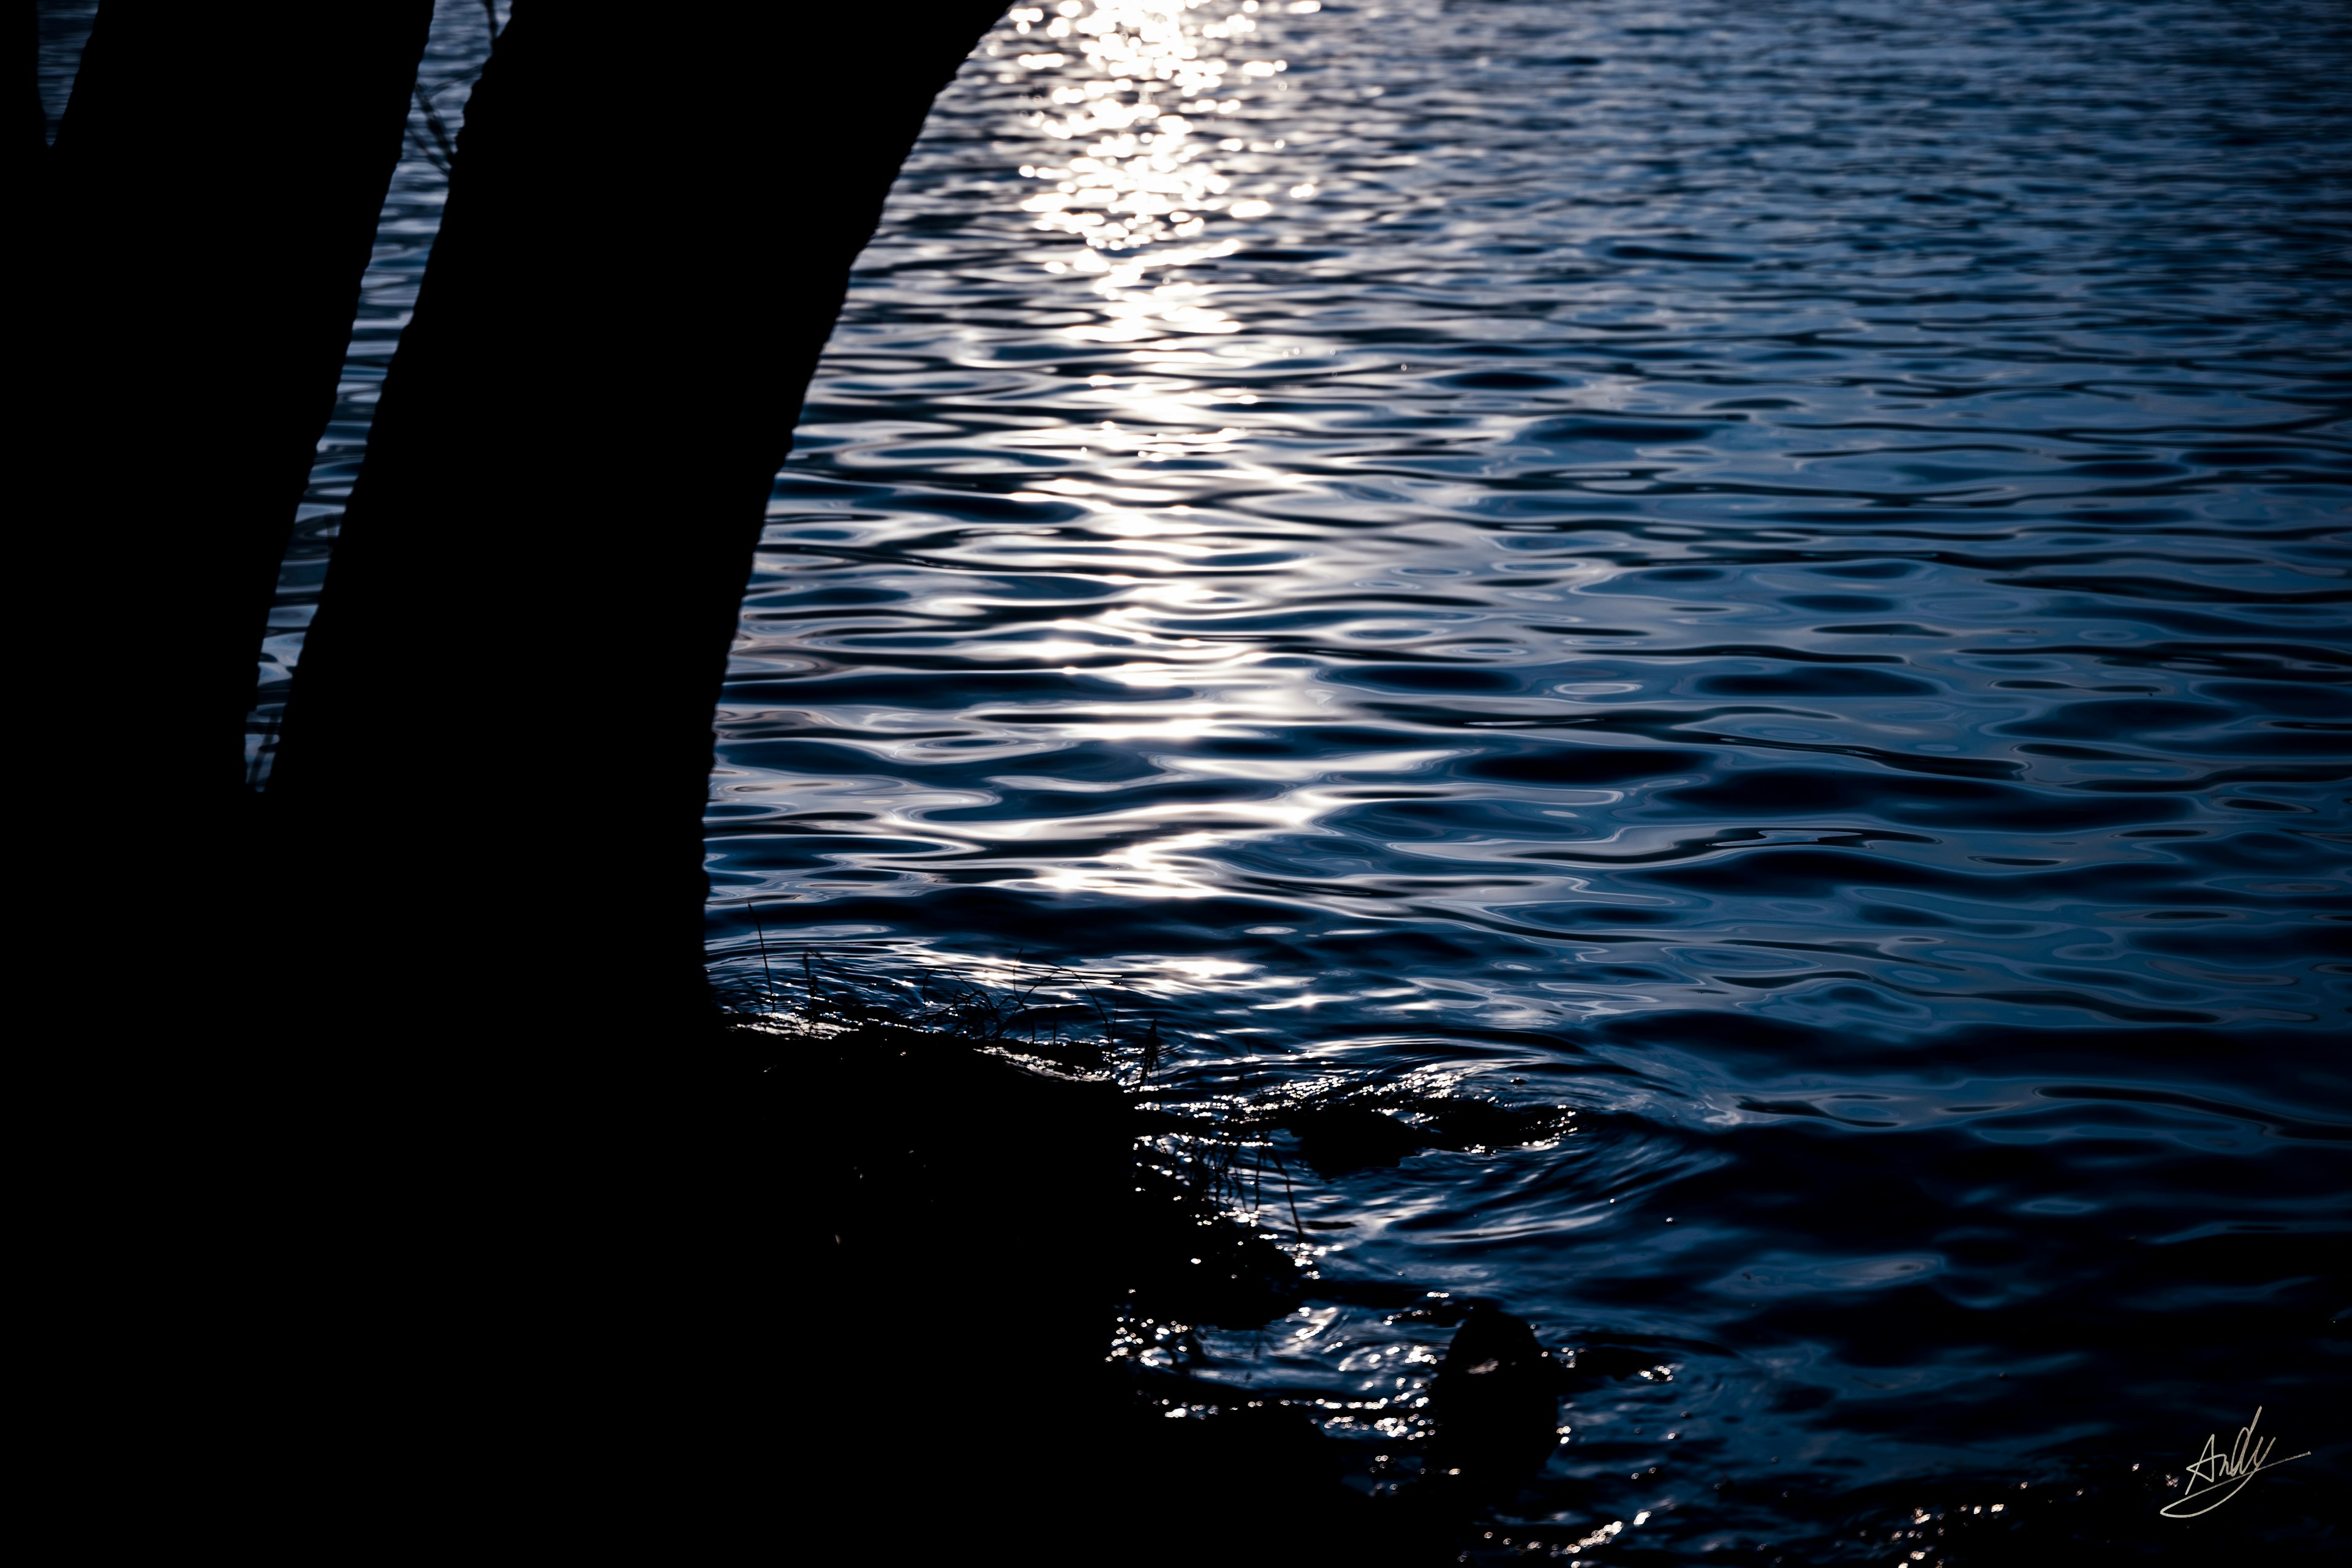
(1770, 573)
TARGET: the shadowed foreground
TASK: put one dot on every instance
(986, 1214)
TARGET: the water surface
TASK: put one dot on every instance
(1770, 573)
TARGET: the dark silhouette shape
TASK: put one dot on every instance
(1339, 1139)
(949, 1243)
(966, 1225)
(1251, 1482)
(568, 472)
(493, 1263)
(1495, 1400)
(1179, 1258)
(199, 231)
(1351, 1128)
(321, 1272)
(204, 219)
(33, 139)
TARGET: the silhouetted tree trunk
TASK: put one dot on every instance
(489, 790)
(498, 744)
(204, 220)
(187, 285)
(31, 118)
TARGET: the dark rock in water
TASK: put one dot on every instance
(1496, 1401)
(1470, 1123)
(1337, 1135)
(1337, 1138)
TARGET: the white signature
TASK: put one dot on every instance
(2217, 1472)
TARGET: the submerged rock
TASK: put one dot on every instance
(1495, 1402)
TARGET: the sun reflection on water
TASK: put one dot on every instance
(1142, 112)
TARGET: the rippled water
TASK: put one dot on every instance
(1773, 573)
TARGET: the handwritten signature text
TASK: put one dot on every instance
(2216, 1477)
